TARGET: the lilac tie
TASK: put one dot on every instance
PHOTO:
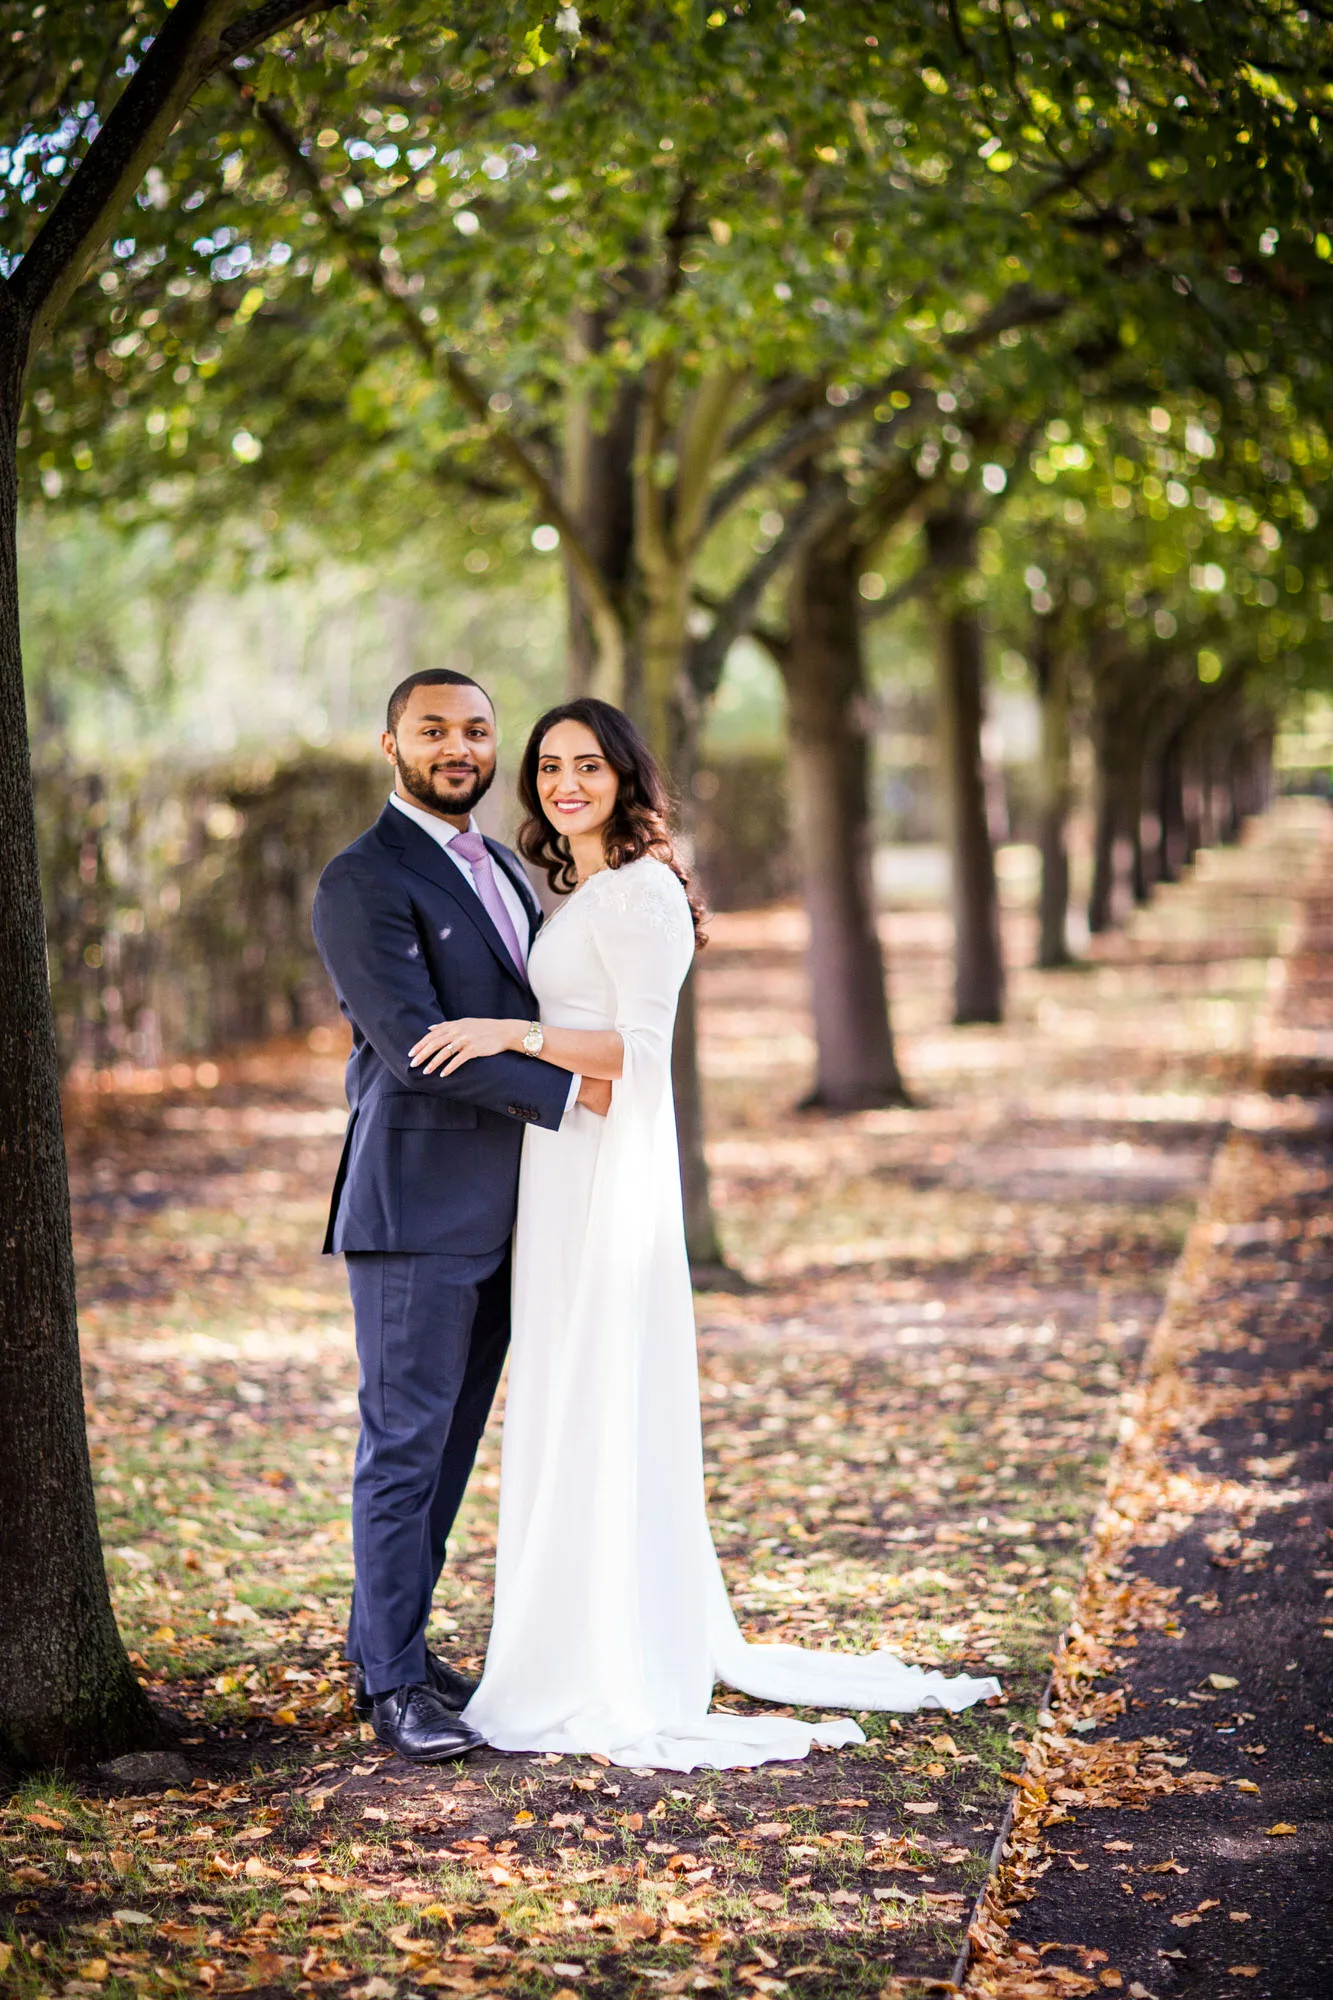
(475, 852)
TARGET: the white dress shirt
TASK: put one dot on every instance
(520, 915)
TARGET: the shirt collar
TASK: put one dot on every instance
(439, 830)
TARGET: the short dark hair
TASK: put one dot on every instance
(428, 677)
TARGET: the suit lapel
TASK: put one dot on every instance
(425, 857)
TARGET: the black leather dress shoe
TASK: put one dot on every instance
(454, 1689)
(414, 1722)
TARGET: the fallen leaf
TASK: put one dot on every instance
(1109, 1977)
(1171, 1867)
(1239, 1916)
(6, 1954)
(1279, 1827)
(1244, 1971)
(1223, 1681)
(1245, 1784)
(921, 1805)
(1118, 1846)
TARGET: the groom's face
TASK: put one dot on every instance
(443, 749)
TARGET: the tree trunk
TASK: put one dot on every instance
(1108, 815)
(67, 1691)
(708, 1266)
(978, 960)
(598, 488)
(1170, 809)
(1133, 808)
(1052, 670)
(823, 668)
(1233, 790)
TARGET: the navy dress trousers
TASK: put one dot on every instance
(423, 1206)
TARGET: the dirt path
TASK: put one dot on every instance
(1174, 1834)
(907, 1423)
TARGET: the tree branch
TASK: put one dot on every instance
(820, 507)
(363, 256)
(188, 48)
(1019, 306)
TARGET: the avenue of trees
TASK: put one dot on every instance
(1015, 317)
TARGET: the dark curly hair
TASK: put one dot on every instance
(640, 822)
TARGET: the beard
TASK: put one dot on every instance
(440, 792)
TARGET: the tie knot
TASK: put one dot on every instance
(471, 846)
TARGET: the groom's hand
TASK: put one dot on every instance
(595, 1095)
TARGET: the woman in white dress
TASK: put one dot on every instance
(612, 1622)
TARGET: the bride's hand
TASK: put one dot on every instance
(452, 1043)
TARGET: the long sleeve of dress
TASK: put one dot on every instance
(645, 937)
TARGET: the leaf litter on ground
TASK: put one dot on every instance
(907, 1423)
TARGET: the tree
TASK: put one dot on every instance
(732, 295)
(78, 150)
(646, 394)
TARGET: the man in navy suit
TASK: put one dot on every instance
(418, 921)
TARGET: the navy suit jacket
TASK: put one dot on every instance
(430, 1163)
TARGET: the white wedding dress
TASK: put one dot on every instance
(611, 1616)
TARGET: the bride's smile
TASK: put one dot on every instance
(577, 786)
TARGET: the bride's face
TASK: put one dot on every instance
(575, 783)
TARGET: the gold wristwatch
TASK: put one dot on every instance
(534, 1041)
